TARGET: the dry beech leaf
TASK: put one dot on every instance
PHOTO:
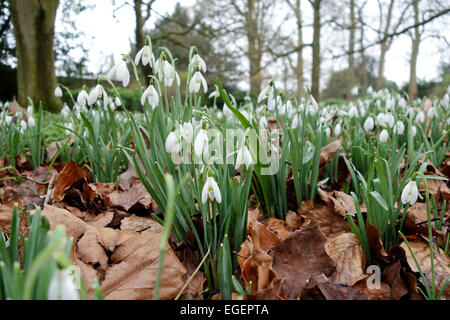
(328, 151)
(254, 261)
(6, 211)
(133, 274)
(126, 177)
(436, 187)
(253, 216)
(334, 291)
(195, 286)
(421, 251)
(279, 227)
(70, 175)
(273, 292)
(137, 195)
(348, 254)
(102, 220)
(75, 227)
(416, 221)
(88, 274)
(137, 223)
(339, 201)
(377, 251)
(89, 249)
(108, 238)
(300, 257)
(330, 223)
(294, 221)
(392, 275)
(374, 293)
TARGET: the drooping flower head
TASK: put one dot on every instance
(410, 193)
(120, 72)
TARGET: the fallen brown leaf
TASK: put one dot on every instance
(135, 266)
(300, 257)
(421, 251)
(137, 223)
(338, 201)
(348, 254)
(328, 151)
(334, 291)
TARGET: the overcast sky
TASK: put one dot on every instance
(105, 35)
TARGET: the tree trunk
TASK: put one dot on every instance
(315, 77)
(385, 43)
(365, 73)
(299, 69)
(34, 30)
(412, 89)
(254, 52)
(140, 40)
(380, 76)
(351, 45)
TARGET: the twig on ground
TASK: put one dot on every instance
(49, 189)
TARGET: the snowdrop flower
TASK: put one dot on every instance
(272, 102)
(353, 112)
(420, 118)
(196, 81)
(65, 112)
(431, 113)
(82, 98)
(354, 91)
(58, 92)
(328, 131)
(219, 115)
(173, 143)
(215, 93)
(446, 100)
(97, 93)
(187, 131)
(8, 119)
(337, 130)
(69, 126)
(201, 143)
(62, 286)
(30, 110)
(211, 190)
(165, 71)
(145, 55)
(263, 122)
(384, 135)
(31, 122)
(313, 107)
(381, 119)
(369, 90)
(246, 115)
(197, 61)
(151, 95)
(413, 131)
(227, 112)
(399, 127)
(117, 101)
(295, 122)
(23, 126)
(410, 193)
(369, 124)
(243, 157)
(120, 72)
(265, 92)
(389, 120)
